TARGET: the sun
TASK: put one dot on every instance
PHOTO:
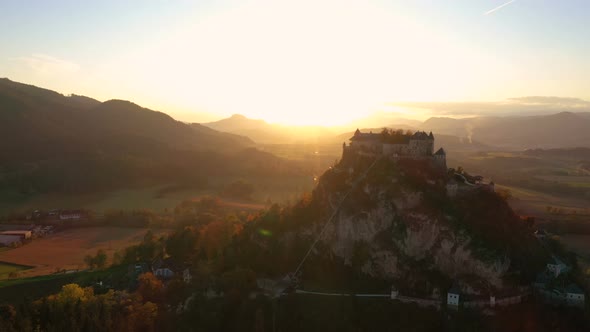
(303, 62)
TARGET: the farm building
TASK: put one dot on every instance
(71, 215)
(9, 240)
(575, 295)
(453, 297)
(164, 273)
(557, 266)
(25, 235)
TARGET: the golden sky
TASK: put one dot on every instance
(300, 62)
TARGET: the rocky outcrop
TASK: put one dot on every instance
(398, 228)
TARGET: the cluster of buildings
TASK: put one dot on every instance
(164, 269)
(554, 287)
(59, 215)
(15, 235)
(418, 146)
(14, 238)
(462, 183)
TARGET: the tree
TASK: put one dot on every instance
(239, 281)
(216, 236)
(100, 260)
(72, 293)
(361, 253)
(150, 288)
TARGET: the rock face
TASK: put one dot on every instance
(400, 221)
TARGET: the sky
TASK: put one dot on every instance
(320, 62)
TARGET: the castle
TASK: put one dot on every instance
(396, 144)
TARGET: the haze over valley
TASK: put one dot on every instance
(323, 165)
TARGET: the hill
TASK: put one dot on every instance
(565, 129)
(51, 142)
(265, 133)
(395, 222)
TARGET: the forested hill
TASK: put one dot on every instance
(54, 142)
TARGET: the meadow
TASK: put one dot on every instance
(7, 268)
(159, 198)
(535, 181)
(66, 250)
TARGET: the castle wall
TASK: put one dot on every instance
(390, 149)
(421, 147)
(441, 161)
(371, 145)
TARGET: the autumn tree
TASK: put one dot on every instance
(150, 288)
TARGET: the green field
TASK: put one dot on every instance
(158, 198)
(19, 290)
(7, 268)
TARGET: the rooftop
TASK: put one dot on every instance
(440, 152)
(574, 289)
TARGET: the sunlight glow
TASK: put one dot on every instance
(304, 62)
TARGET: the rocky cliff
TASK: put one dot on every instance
(394, 221)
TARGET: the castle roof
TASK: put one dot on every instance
(574, 289)
(391, 138)
(421, 135)
(358, 136)
(440, 152)
(455, 290)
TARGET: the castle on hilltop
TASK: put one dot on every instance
(396, 144)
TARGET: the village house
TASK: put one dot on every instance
(453, 297)
(10, 240)
(163, 273)
(574, 296)
(541, 234)
(25, 235)
(557, 266)
(71, 215)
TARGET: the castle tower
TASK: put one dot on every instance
(440, 158)
(430, 140)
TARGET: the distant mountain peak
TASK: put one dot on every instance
(238, 117)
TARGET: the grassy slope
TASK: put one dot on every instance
(157, 198)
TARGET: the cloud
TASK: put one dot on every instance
(498, 8)
(46, 64)
(552, 101)
(531, 105)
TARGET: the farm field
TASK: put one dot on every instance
(158, 198)
(67, 249)
(527, 201)
(7, 268)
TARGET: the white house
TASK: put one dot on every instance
(453, 297)
(556, 266)
(541, 234)
(574, 295)
(164, 273)
(70, 215)
(25, 235)
(394, 293)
